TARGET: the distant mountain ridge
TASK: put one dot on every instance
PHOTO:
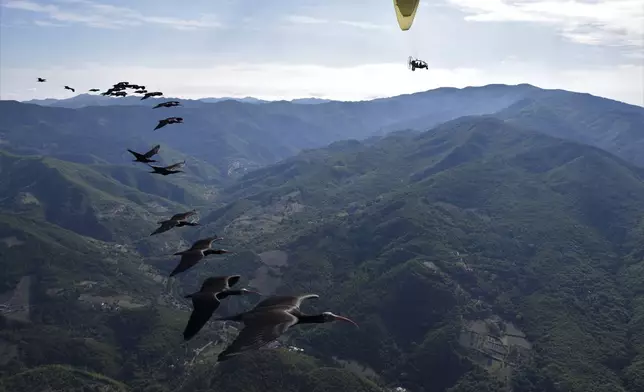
(86, 99)
(249, 134)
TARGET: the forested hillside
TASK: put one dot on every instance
(497, 247)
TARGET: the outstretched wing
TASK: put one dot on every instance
(188, 260)
(286, 301)
(176, 166)
(136, 154)
(259, 331)
(204, 243)
(233, 280)
(161, 124)
(183, 215)
(153, 151)
(165, 226)
(203, 308)
(216, 284)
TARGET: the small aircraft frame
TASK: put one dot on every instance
(413, 63)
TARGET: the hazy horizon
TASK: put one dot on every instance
(77, 95)
(330, 50)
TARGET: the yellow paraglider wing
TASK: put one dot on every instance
(405, 12)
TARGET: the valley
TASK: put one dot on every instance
(478, 236)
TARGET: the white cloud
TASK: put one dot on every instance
(599, 22)
(99, 15)
(279, 81)
(302, 19)
(309, 20)
(46, 23)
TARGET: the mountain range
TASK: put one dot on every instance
(484, 239)
(86, 99)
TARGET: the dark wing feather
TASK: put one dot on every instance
(233, 280)
(204, 243)
(188, 260)
(165, 226)
(183, 215)
(259, 331)
(153, 151)
(136, 154)
(175, 166)
(204, 307)
(287, 301)
(215, 284)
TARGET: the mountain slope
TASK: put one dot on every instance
(60, 378)
(235, 136)
(476, 256)
(604, 123)
(76, 291)
(482, 224)
(231, 135)
(81, 199)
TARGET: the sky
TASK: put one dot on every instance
(334, 49)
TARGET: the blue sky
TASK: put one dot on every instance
(339, 49)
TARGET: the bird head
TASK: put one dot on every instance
(329, 317)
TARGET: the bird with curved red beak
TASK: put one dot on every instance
(271, 318)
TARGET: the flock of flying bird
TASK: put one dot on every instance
(270, 318)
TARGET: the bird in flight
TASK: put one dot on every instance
(269, 319)
(145, 158)
(172, 169)
(208, 299)
(199, 250)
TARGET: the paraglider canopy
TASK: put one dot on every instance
(405, 12)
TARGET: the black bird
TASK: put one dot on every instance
(172, 169)
(177, 220)
(168, 121)
(69, 88)
(41, 80)
(145, 158)
(168, 104)
(269, 319)
(199, 250)
(141, 91)
(207, 300)
(152, 94)
(93, 90)
(120, 94)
